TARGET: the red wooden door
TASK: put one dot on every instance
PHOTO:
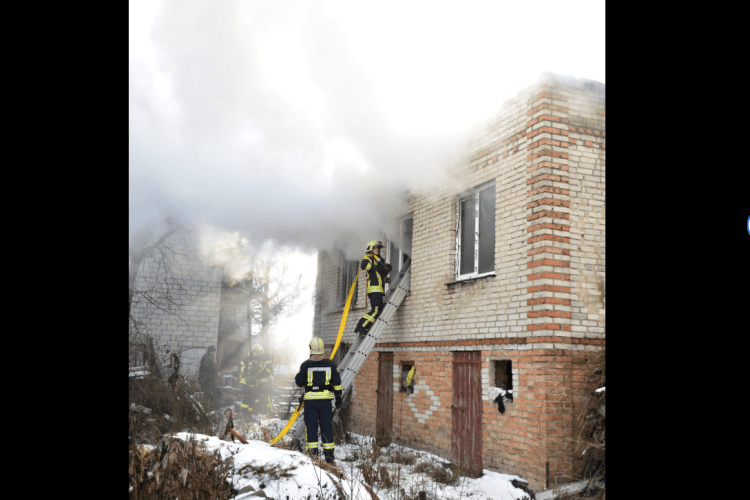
(466, 446)
(384, 422)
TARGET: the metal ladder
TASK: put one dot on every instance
(363, 345)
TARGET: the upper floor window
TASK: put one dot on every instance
(475, 234)
(399, 248)
(348, 270)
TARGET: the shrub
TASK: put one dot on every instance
(178, 469)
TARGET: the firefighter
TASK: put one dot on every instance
(208, 376)
(322, 382)
(377, 271)
(264, 377)
(248, 384)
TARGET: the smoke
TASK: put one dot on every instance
(302, 126)
(314, 165)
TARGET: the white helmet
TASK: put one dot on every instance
(317, 346)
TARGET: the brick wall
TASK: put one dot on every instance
(192, 323)
(542, 308)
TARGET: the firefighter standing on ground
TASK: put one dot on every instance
(377, 271)
(263, 403)
(248, 384)
(322, 382)
(208, 376)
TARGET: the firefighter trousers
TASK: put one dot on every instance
(376, 307)
(248, 399)
(319, 412)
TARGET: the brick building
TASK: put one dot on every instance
(507, 291)
(186, 305)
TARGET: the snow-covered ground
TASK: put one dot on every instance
(283, 474)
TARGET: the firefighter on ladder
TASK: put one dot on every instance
(322, 382)
(377, 270)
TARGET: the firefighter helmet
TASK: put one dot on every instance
(257, 349)
(371, 246)
(317, 346)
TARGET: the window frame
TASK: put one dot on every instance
(390, 246)
(348, 270)
(473, 193)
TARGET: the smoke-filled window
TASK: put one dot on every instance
(348, 270)
(476, 233)
(399, 248)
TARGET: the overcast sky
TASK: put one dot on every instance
(306, 121)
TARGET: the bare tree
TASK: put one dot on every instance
(276, 294)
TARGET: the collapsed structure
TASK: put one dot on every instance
(506, 295)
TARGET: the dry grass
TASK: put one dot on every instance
(159, 407)
(178, 468)
(590, 426)
(437, 472)
(264, 474)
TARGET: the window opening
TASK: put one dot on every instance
(504, 374)
(408, 376)
(476, 233)
(399, 248)
(348, 271)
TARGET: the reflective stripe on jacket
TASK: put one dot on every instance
(376, 272)
(321, 379)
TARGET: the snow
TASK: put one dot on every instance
(308, 479)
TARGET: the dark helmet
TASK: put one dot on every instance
(211, 349)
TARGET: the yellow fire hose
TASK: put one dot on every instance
(296, 413)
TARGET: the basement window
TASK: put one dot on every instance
(407, 384)
(475, 233)
(504, 374)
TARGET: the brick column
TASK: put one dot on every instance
(548, 209)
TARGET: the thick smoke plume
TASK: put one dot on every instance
(213, 141)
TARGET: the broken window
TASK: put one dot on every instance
(475, 235)
(348, 270)
(408, 372)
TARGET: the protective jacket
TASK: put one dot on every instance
(377, 270)
(248, 371)
(321, 379)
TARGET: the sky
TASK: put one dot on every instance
(305, 123)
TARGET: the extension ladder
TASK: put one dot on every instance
(363, 344)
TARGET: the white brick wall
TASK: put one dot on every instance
(496, 307)
(192, 324)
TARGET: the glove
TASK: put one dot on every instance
(338, 401)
